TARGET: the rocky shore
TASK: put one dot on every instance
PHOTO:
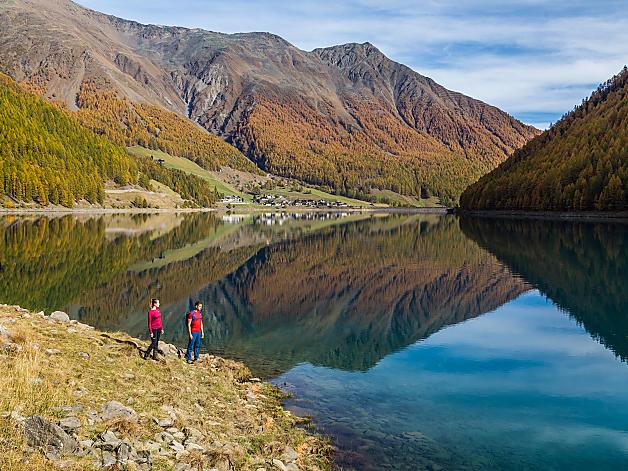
(72, 397)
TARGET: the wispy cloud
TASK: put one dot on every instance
(533, 58)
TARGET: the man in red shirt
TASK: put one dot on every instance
(195, 331)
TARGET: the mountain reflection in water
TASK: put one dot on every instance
(349, 312)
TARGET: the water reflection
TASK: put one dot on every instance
(350, 312)
(581, 267)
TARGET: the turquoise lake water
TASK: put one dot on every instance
(414, 341)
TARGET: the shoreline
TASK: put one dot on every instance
(238, 210)
(77, 398)
(583, 216)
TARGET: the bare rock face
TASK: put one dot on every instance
(52, 439)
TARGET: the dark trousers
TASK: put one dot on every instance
(154, 344)
(193, 345)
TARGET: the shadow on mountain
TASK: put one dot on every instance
(581, 267)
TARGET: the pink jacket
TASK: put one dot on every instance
(154, 320)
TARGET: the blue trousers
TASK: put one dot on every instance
(193, 344)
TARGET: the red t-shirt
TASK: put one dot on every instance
(196, 320)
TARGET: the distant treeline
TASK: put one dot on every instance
(580, 164)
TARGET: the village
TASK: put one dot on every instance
(278, 201)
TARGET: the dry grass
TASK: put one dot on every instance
(209, 396)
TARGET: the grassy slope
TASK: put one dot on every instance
(37, 383)
(188, 166)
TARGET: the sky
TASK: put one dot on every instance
(535, 59)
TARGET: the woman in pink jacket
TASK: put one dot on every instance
(155, 328)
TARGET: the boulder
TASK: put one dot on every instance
(109, 440)
(167, 349)
(60, 316)
(70, 424)
(164, 437)
(43, 434)
(165, 422)
(191, 446)
(292, 467)
(124, 452)
(279, 464)
(114, 410)
(289, 455)
(108, 459)
(52, 351)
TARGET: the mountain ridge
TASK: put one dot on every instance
(345, 117)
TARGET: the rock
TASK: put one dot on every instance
(164, 437)
(84, 355)
(250, 396)
(60, 316)
(110, 441)
(192, 433)
(279, 464)
(152, 446)
(167, 349)
(52, 351)
(41, 314)
(260, 469)
(191, 446)
(108, 459)
(183, 467)
(70, 409)
(124, 452)
(144, 456)
(292, 467)
(41, 433)
(114, 410)
(289, 455)
(86, 443)
(176, 446)
(165, 422)
(70, 424)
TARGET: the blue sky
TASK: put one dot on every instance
(533, 58)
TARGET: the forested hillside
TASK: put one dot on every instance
(129, 124)
(47, 157)
(580, 164)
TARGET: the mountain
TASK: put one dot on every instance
(346, 117)
(579, 164)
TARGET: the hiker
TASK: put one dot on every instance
(155, 328)
(195, 331)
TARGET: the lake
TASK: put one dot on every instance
(415, 341)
